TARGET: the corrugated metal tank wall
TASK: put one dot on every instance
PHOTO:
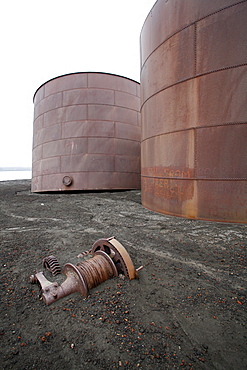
(86, 133)
(194, 109)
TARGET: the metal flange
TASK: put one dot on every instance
(118, 254)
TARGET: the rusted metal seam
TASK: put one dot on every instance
(193, 128)
(86, 104)
(189, 25)
(113, 137)
(86, 88)
(195, 150)
(195, 48)
(196, 178)
(192, 78)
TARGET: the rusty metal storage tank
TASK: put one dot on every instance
(86, 133)
(194, 109)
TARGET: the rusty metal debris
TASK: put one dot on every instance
(118, 254)
(52, 265)
(84, 253)
(109, 259)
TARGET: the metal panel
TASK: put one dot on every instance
(169, 17)
(163, 158)
(222, 200)
(228, 47)
(86, 96)
(172, 109)
(113, 82)
(218, 155)
(194, 109)
(86, 127)
(160, 71)
(176, 197)
(222, 97)
(66, 82)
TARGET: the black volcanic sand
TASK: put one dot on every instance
(187, 310)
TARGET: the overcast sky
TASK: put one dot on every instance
(47, 38)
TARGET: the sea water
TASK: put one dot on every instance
(15, 175)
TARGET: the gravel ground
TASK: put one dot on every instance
(187, 310)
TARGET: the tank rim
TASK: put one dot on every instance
(76, 73)
(145, 20)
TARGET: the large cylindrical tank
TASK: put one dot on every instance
(194, 109)
(86, 133)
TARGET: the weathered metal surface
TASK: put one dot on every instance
(109, 259)
(118, 254)
(52, 265)
(86, 133)
(194, 109)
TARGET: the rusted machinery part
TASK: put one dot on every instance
(80, 278)
(139, 268)
(33, 279)
(51, 264)
(118, 254)
(85, 253)
(49, 289)
(109, 259)
(98, 269)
